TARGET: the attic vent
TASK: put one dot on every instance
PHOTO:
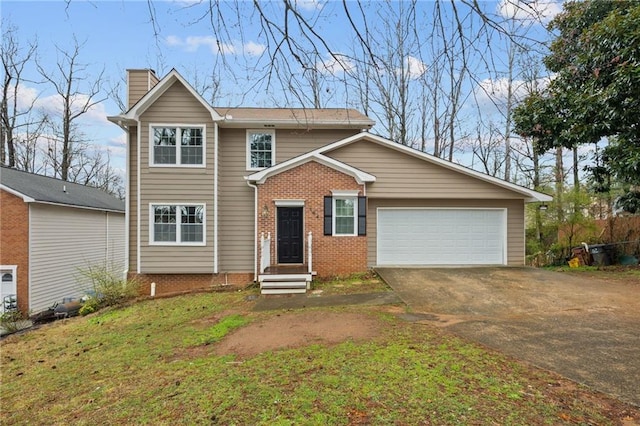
(269, 125)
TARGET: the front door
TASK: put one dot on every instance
(290, 237)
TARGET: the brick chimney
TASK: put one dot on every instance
(139, 82)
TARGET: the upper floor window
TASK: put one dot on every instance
(261, 149)
(178, 224)
(179, 145)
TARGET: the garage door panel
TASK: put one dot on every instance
(441, 236)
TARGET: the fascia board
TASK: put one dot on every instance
(18, 194)
(28, 199)
(158, 90)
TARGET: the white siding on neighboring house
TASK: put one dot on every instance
(116, 233)
(64, 240)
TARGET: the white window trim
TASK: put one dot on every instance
(272, 132)
(349, 196)
(152, 241)
(289, 203)
(13, 269)
(179, 126)
(349, 193)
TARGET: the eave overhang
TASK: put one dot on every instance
(360, 176)
(530, 196)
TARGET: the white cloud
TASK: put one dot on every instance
(540, 10)
(26, 96)
(52, 105)
(193, 43)
(309, 5)
(414, 67)
(254, 49)
(118, 141)
(335, 65)
(497, 91)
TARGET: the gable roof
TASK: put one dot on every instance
(158, 90)
(529, 194)
(34, 188)
(360, 176)
(294, 117)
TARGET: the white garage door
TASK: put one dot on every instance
(441, 236)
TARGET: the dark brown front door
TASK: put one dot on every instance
(290, 238)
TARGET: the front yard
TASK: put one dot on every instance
(182, 360)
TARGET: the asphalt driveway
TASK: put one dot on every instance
(587, 330)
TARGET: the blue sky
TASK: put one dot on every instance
(119, 34)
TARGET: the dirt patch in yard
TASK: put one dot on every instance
(290, 330)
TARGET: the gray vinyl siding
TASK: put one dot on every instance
(115, 252)
(133, 199)
(291, 143)
(236, 214)
(176, 185)
(401, 175)
(64, 240)
(515, 221)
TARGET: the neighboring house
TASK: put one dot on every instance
(235, 195)
(50, 229)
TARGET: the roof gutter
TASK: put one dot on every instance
(302, 124)
(121, 121)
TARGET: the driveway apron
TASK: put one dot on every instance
(587, 330)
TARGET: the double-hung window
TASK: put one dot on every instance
(177, 145)
(177, 224)
(261, 149)
(345, 214)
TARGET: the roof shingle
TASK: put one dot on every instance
(46, 189)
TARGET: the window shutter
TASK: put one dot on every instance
(362, 215)
(328, 215)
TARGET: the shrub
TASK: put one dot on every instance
(107, 289)
(12, 321)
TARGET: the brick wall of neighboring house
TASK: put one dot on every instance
(311, 182)
(184, 283)
(14, 242)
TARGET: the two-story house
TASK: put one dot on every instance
(235, 195)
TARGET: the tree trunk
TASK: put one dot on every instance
(559, 172)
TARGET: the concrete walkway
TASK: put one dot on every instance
(586, 330)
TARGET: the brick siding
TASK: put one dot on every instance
(183, 283)
(311, 182)
(14, 242)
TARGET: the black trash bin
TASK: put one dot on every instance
(599, 254)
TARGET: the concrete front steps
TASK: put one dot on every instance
(284, 283)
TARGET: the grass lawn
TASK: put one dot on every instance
(155, 362)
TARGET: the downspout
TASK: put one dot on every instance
(215, 198)
(255, 231)
(127, 207)
(29, 262)
(138, 240)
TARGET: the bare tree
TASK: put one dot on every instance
(488, 150)
(78, 93)
(13, 115)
